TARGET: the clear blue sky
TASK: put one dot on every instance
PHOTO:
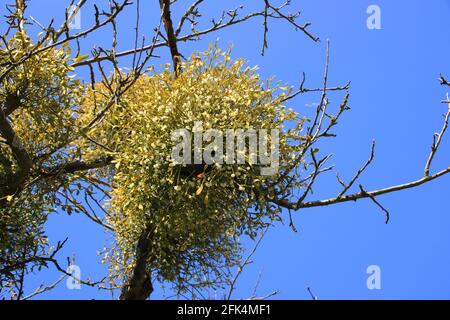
(395, 99)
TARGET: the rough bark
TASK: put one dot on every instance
(10, 182)
(139, 285)
(171, 37)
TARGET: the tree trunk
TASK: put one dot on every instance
(139, 286)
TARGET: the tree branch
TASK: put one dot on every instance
(171, 38)
(437, 139)
(76, 166)
(10, 182)
(360, 195)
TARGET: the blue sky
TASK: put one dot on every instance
(395, 99)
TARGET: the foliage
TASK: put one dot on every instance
(196, 214)
(107, 147)
(40, 96)
(46, 93)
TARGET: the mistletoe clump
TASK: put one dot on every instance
(38, 98)
(40, 95)
(192, 214)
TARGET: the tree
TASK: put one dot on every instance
(107, 146)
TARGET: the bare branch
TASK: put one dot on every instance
(376, 202)
(437, 139)
(291, 20)
(360, 195)
(43, 288)
(192, 10)
(246, 262)
(443, 81)
(350, 184)
(39, 48)
(76, 166)
(171, 37)
(221, 24)
(313, 297)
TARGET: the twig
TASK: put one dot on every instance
(437, 138)
(41, 289)
(246, 262)
(376, 202)
(311, 293)
(350, 184)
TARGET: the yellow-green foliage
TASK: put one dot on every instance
(45, 97)
(46, 92)
(197, 219)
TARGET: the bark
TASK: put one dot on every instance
(139, 286)
(171, 38)
(76, 166)
(10, 182)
